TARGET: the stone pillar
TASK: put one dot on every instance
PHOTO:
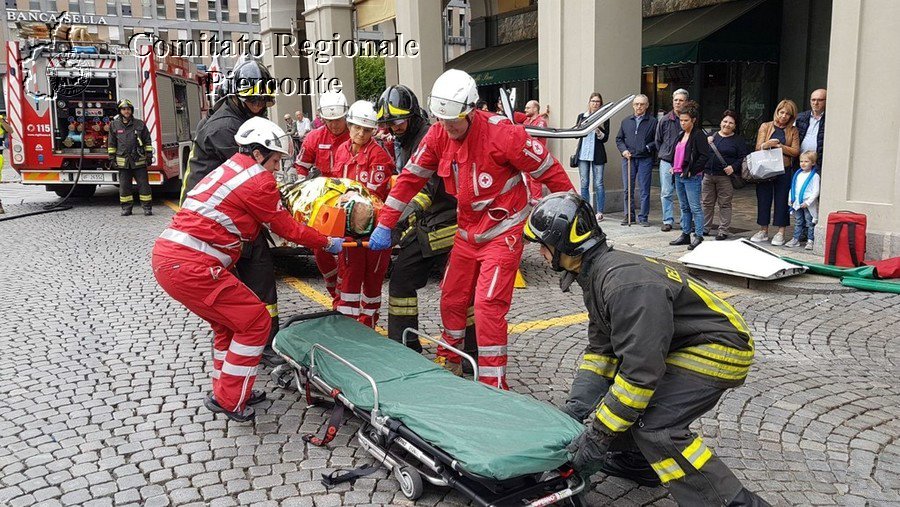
(391, 68)
(583, 47)
(421, 22)
(324, 18)
(277, 17)
(861, 169)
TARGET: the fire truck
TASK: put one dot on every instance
(62, 95)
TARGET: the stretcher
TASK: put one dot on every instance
(425, 424)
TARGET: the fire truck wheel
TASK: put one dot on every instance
(80, 190)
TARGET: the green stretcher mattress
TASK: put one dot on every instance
(492, 433)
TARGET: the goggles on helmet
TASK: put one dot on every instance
(448, 109)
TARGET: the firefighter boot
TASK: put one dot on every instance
(245, 415)
(126, 210)
(148, 210)
(630, 465)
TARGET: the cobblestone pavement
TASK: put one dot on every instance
(104, 375)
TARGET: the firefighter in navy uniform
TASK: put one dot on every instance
(248, 92)
(662, 349)
(130, 151)
(430, 219)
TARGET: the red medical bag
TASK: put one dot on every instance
(845, 239)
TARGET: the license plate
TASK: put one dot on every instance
(92, 177)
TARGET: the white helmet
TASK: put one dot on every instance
(332, 105)
(258, 130)
(453, 95)
(362, 113)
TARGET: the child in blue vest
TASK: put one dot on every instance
(804, 199)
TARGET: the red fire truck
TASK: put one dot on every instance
(62, 95)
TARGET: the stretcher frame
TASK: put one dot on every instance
(422, 461)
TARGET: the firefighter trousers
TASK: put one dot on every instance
(328, 266)
(487, 273)
(239, 320)
(683, 462)
(410, 273)
(256, 268)
(361, 275)
(126, 190)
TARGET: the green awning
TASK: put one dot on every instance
(516, 61)
(711, 34)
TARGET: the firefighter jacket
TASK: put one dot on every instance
(214, 143)
(129, 144)
(646, 318)
(484, 171)
(319, 150)
(432, 212)
(228, 208)
(372, 166)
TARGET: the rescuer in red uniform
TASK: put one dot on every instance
(193, 258)
(482, 159)
(361, 271)
(319, 150)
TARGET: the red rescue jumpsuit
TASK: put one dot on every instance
(191, 261)
(361, 271)
(485, 173)
(535, 187)
(319, 149)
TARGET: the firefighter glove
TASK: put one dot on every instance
(380, 238)
(335, 245)
(588, 450)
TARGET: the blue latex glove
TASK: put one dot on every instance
(380, 238)
(335, 245)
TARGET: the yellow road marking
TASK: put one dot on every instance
(537, 325)
(175, 207)
(317, 297)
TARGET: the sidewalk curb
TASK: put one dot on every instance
(800, 284)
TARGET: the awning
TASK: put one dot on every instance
(372, 12)
(516, 61)
(710, 34)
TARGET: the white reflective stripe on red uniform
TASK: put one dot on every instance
(497, 372)
(186, 240)
(242, 176)
(490, 291)
(216, 374)
(456, 333)
(371, 300)
(419, 170)
(350, 297)
(546, 164)
(219, 355)
(492, 351)
(393, 202)
(368, 311)
(246, 350)
(498, 229)
(347, 310)
(510, 184)
(238, 371)
(210, 212)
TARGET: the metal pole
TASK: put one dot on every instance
(628, 194)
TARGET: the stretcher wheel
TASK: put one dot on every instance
(283, 376)
(410, 482)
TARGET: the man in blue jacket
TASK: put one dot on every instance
(811, 125)
(636, 143)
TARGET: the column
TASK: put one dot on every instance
(861, 170)
(583, 47)
(277, 17)
(324, 18)
(391, 69)
(421, 22)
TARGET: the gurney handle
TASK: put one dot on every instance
(356, 244)
(443, 344)
(348, 364)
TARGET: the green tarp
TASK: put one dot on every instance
(492, 433)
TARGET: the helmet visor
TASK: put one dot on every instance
(333, 112)
(448, 109)
(288, 147)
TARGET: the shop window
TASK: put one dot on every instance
(648, 82)
(671, 78)
(757, 82)
(718, 88)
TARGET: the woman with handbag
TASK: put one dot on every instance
(590, 158)
(779, 133)
(691, 155)
(723, 173)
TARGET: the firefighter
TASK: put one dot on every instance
(481, 158)
(662, 349)
(248, 93)
(193, 259)
(361, 271)
(130, 151)
(4, 128)
(318, 150)
(428, 222)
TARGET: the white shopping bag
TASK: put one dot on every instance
(765, 164)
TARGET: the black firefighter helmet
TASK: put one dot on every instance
(250, 80)
(566, 224)
(396, 103)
